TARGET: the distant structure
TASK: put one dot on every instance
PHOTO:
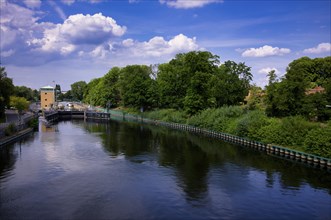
(317, 89)
(47, 97)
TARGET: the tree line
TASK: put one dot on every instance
(14, 96)
(194, 81)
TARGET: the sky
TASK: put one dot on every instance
(48, 42)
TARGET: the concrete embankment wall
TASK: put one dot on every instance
(15, 137)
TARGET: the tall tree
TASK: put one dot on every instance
(135, 86)
(6, 89)
(174, 78)
(290, 97)
(23, 91)
(230, 85)
(77, 90)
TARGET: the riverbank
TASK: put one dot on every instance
(271, 149)
(15, 137)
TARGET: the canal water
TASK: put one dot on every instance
(122, 170)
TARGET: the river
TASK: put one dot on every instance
(122, 170)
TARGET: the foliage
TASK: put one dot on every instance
(230, 84)
(34, 123)
(289, 97)
(77, 90)
(91, 94)
(10, 129)
(216, 119)
(6, 90)
(135, 85)
(104, 91)
(255, 99)
(175, 79)
(27, 93)
(318, 141)
(250, 124)
(168, 115)
(289, 131)
(19, 103)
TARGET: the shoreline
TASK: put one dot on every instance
(15, 137)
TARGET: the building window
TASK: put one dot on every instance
(45, 93)
(45, 99)
(45, 105)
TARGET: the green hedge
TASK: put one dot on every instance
(293, 132)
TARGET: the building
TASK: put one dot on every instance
(47, 97)
(317, 89)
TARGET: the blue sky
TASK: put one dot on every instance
(71, 40)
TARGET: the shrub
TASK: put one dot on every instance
(11, 129)
(250, 124)
(289, 131)
(318, 141)
(169, 115)
(216, 119)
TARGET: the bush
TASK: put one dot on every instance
(318, 141)
(216, 119)
(169, 115)
(289, 131)
(249, 124)
(11, 129)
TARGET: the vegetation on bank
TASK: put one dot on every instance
(294, 132)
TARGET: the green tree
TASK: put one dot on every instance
(174, 78)
(77, 90)
(20, 103)
(289, 97)
(23, 91)
(135, 86)
(197, 96)
(6, 89)
(91, 95)
(255, 99)
(110, 87)
(230, 85)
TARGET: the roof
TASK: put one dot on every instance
(47, 87)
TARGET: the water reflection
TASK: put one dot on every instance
(193, 156)
(116, 170)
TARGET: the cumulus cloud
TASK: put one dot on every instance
(26, 41)
(266, 70)
(321, 48)
(78, 30)
(185, 4)
(17, 24)
(158, 46)
(265, 51)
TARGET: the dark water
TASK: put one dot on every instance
(117, 170)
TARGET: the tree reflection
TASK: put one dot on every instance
(193, 157)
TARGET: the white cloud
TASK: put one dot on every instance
(186, 4)
(32, 3)
(321, 48)
(79, 30)
(158, 46)
(265, 51)
(266, 70)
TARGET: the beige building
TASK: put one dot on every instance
(47, 97)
